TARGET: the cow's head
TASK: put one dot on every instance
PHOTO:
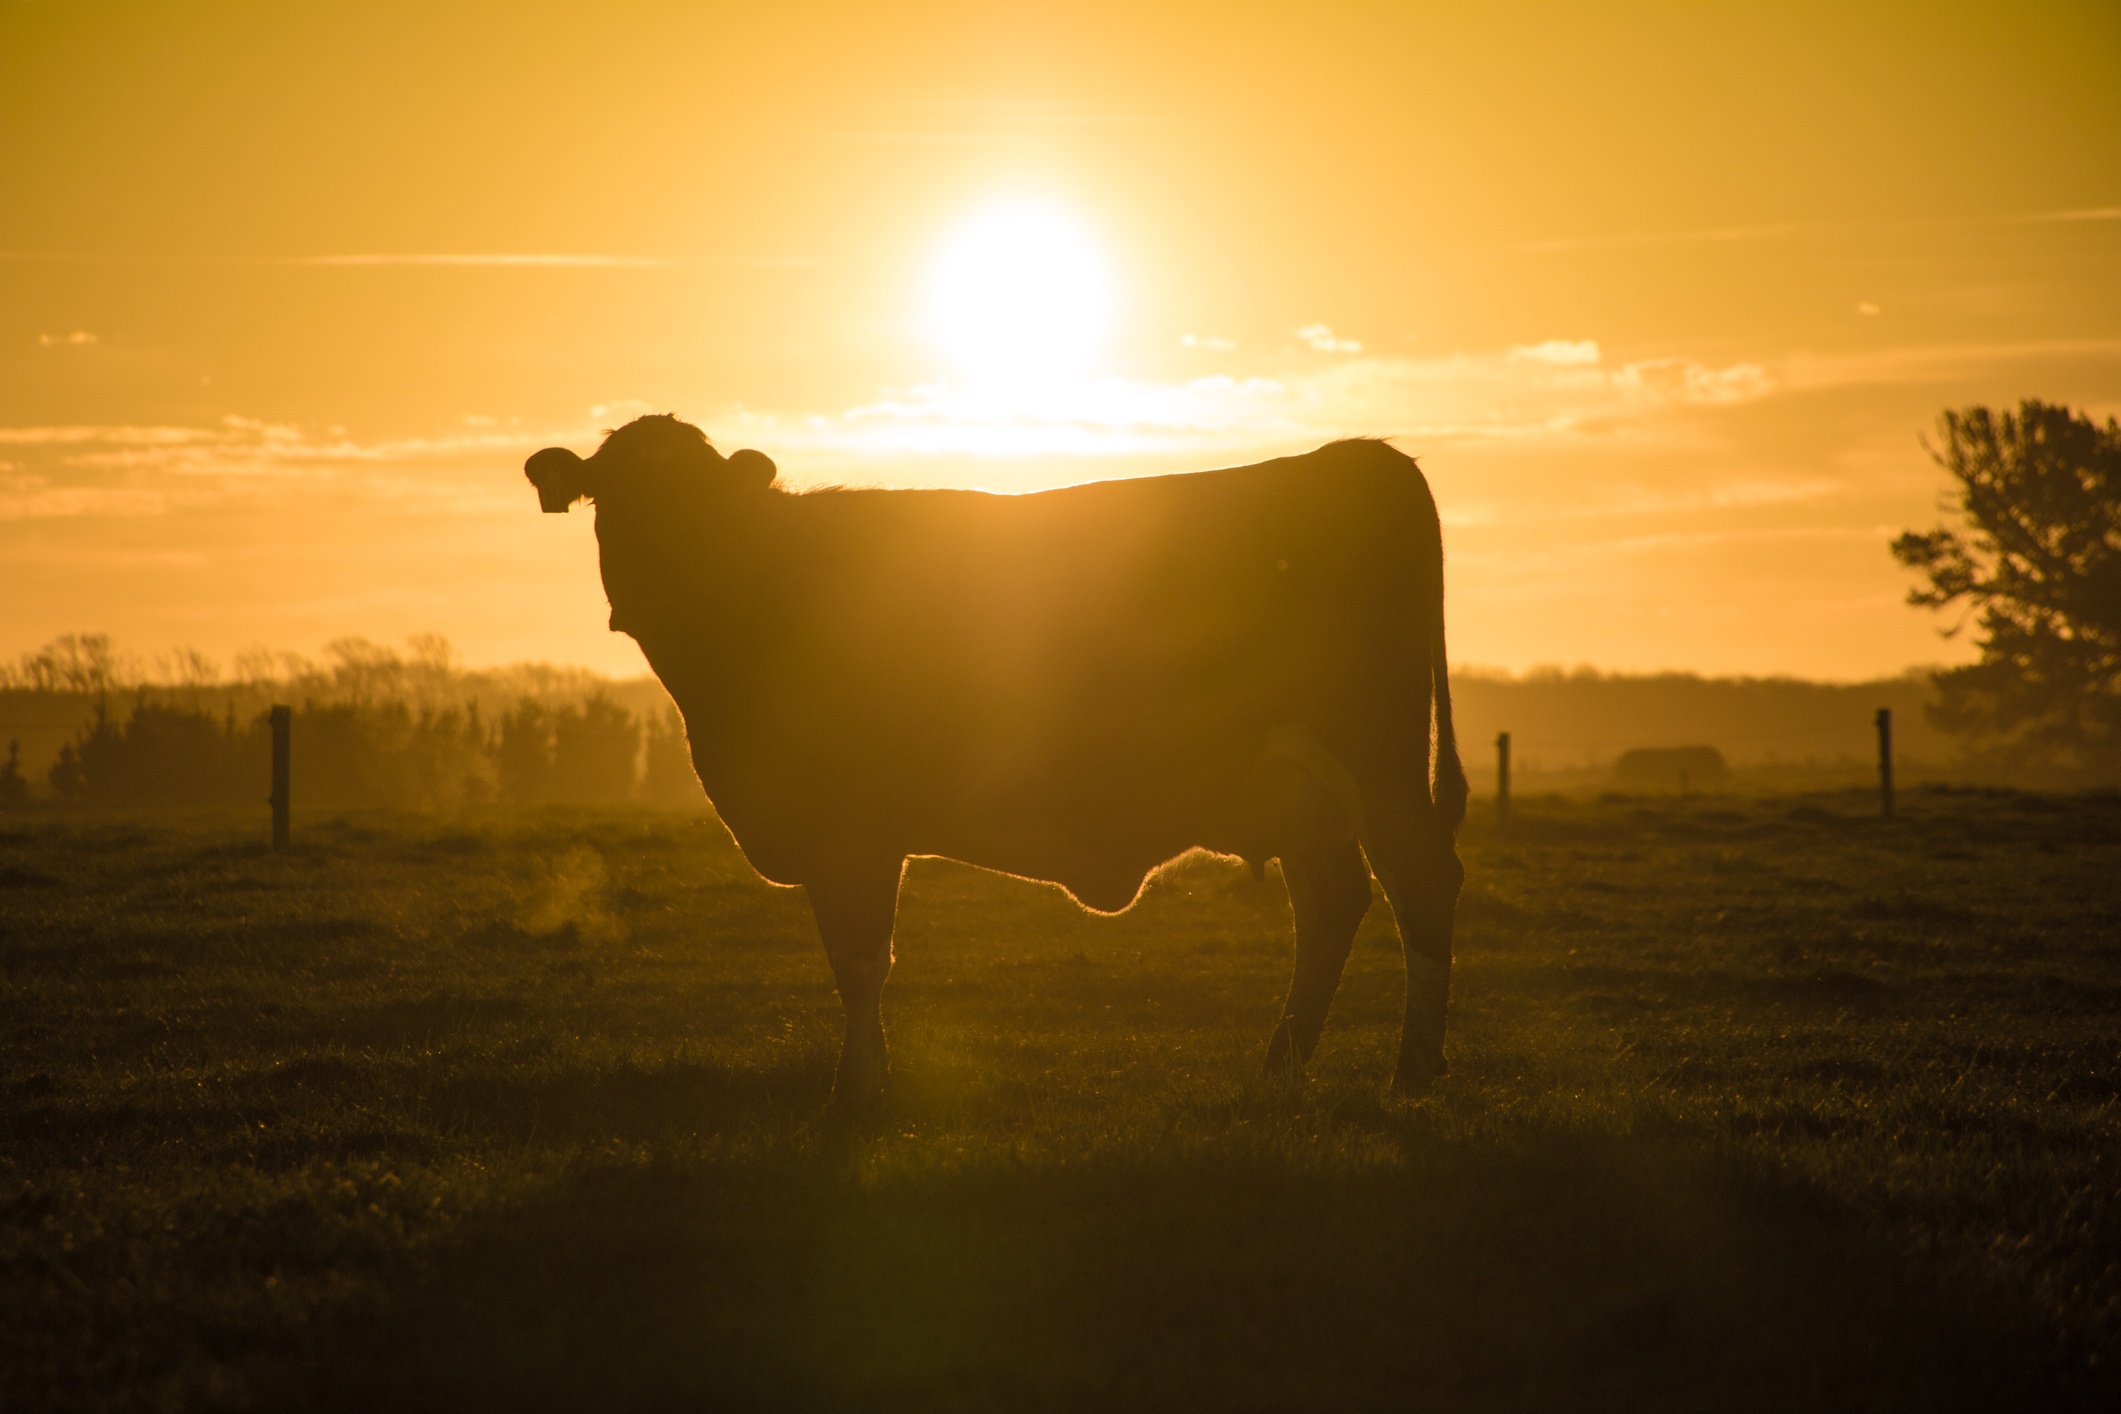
(646, 456)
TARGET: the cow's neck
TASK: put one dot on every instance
(682, 581)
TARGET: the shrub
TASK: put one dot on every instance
(667, 776)
(596, 750)
(164, 755)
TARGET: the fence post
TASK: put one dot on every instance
(1502, 777)
(282, 727)
(1885, 762)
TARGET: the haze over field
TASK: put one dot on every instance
(1661, 298)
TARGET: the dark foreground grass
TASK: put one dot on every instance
(1756, 1105)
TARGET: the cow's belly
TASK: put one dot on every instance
(1108, 893)
(1286, 795)
(1103, 880)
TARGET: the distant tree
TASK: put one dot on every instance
(72, 662)
(162, 754)
(2038, 566)
(187, 667)
(449, 761)
(523, 753)
(365, 672)
(667, 777)
(596, 748)
(14, 787)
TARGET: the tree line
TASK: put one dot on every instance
(346, 755)
(373, 728)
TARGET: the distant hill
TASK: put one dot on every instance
(1569, 728)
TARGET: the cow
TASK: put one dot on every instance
(1074, 686)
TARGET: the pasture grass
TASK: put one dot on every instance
(1755, 1104)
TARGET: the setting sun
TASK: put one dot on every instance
(1019, 291)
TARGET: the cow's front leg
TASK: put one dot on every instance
(1329, 892)
(855, 905)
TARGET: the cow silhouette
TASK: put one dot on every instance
(1074, 686)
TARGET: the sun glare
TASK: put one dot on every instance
(1020, 291)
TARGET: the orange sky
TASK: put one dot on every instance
(1661, 295)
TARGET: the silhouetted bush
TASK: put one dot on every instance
(367, 754)
(14, 787)
(374, 727)
(596, 750)
(451, 758)
(667, 777)
(523, 754)
(163, 755)
(384, 754)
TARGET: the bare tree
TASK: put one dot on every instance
(2037, 564)
(187, 667)
(72, 662)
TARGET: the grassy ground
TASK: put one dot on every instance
(1757, 1104)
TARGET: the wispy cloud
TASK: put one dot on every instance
(2042, 218)
(556, 260)
(559, 260)
(123, 435)
(1712, 235)
(1321, 339)
(1568, 353)
(1795, 230)
(1543, 390)
(121, 470)
(1931, 363)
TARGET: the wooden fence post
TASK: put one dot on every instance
(282, 728)
(1502, 777)
(1885, 762)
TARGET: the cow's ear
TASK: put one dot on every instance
(562, 478)
(753, 470)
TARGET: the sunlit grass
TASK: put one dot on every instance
(1753, 1104)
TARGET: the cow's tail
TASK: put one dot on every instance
(1448, 785)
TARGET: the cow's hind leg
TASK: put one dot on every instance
(856, 907)
(1417, 863)
(1329, 892)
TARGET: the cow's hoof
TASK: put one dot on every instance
(858, 1080)
(1414, 1077)
(851, 1115)
(857, 1094)
(1281, 1054)
(862, 1089)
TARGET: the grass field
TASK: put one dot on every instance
(1756, 1104)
